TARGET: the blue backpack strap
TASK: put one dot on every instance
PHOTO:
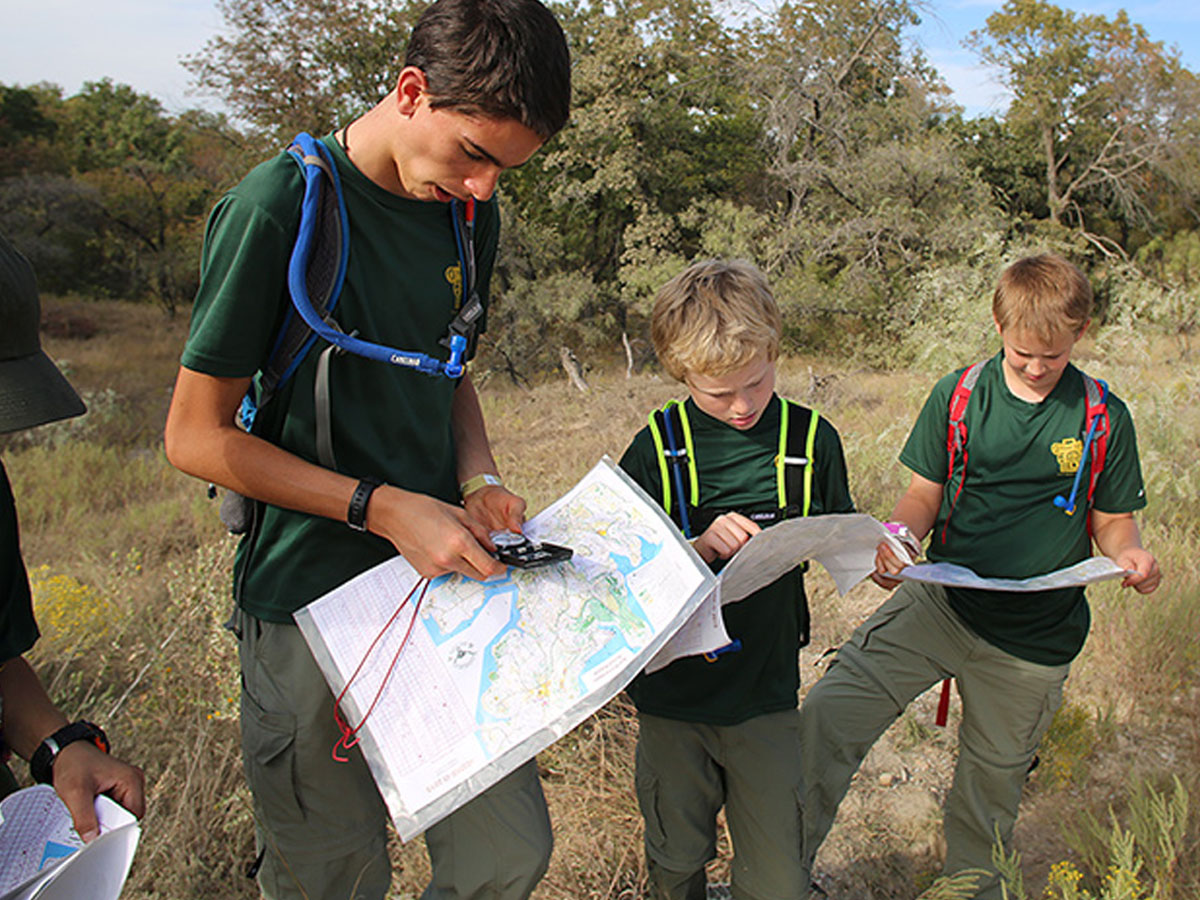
(672, 434)
(470, 306)
(316, 275)
(321, 252)
(325, 229)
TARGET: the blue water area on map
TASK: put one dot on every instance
(502, 589)
(490, 667)
(55, 851)
(491, 589)
(616, 643)
(626, 566)
(507, 588)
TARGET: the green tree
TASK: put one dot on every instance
(660, 129)
(114, 198)
(28, 129)
(868, 189)
(1099, 101)
(287, 66)
(1010, 166)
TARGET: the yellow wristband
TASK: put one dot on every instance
(471, 485)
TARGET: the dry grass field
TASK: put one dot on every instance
(130, 570)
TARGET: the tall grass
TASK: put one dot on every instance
(131, 575)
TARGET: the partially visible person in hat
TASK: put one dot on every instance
(72, 756)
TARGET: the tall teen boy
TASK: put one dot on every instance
(484, 84)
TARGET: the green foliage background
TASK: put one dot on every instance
(808, 138)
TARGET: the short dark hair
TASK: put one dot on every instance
(506, 59)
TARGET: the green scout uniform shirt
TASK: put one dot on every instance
(736, 469)
(402, 289)
(1020, 455)
(18, 631)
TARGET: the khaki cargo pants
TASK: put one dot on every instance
(908, 645)
(322, 823)
(686, 771)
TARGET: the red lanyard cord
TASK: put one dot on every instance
(349, 738)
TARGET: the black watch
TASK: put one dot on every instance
(356, 514)
(41, 764)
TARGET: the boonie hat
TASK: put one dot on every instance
(32, 390)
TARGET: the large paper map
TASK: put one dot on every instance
(494, 672)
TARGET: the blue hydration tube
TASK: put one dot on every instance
(297, 285)
(1067, 504)
(675, 470)
(736, 644)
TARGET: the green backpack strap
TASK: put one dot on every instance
(794, 461)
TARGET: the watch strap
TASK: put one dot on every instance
(356, 513)
(41, 764)
(471, 485)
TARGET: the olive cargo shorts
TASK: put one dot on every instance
(322, 823)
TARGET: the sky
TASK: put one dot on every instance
(946, 23)
(140, 43)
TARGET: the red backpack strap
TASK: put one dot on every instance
(956, 429)
(1095, 392)
(956, 443)
(943, 707)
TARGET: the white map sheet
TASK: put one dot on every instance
(844, 544)
(494, 672)
(1090, 571)
(42, 858)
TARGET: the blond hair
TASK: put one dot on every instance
(1044, 295)
(713, 318)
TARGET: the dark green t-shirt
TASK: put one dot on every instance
(736, 469)
(18, 631)
(1004, 524)
(402, 290)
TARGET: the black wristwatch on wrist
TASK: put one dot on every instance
(356, 514)
(41, 764)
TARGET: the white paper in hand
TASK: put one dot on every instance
(42, 857)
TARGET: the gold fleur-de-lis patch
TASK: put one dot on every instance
(454, 277)
(1069, 453)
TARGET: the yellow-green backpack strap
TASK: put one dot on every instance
(783, 460)
(661, 452)
(659, 421)
(781, 455)
(693, 477)
(810, 444)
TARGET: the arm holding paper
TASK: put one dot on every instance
(81, 771)
(916, 509)
(1117, 536)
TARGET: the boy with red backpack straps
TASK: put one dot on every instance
(999, 490)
